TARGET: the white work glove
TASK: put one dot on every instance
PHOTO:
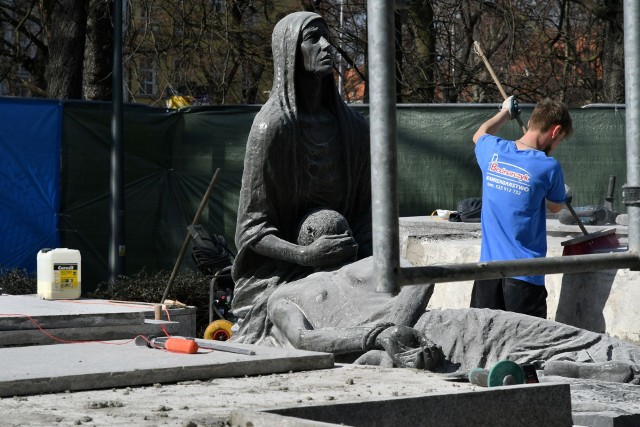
(568, 193)
(511, 104)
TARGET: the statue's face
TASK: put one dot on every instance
(315, 49)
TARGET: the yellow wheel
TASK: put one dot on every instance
(219, 330)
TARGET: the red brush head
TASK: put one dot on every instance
(597, 242)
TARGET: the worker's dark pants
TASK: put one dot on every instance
(510, 295)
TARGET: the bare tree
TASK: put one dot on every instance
(43, 53)
(24, 51)
(65, 23)
(609, 16)
(98, 58)
(214, 51)
(421, 65)
(217, 51)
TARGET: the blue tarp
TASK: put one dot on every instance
(30, 138)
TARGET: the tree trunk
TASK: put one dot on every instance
(65, 23)
(98, 56)
(613, 54)
(422, 13)
(397, 32)
(245, 16)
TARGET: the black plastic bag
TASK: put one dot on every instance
(469, 210)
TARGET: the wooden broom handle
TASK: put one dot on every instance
(187, 239)
(478, 50)
(576, 218)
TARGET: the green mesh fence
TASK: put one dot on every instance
(171, 156)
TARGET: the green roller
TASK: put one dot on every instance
(504, 372)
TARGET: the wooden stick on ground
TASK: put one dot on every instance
(187, 239)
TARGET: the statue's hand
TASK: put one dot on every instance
(409, 348)
(331, 250)
(375, 358)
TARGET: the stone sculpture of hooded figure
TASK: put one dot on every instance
(288, 173)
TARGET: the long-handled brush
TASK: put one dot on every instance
(589, 243)
(598, 241)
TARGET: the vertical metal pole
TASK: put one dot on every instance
(382, 107)
(117, 241)
(632, 111)
(340, 59)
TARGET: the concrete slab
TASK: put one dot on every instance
(603, 404)
(525, 405)
(210, 402)
(94, 365)
(27, 319)
(430, 225)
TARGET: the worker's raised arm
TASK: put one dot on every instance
(509, 110)
(554, 207)
(492, 125)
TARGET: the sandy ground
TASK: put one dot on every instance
(208, 403)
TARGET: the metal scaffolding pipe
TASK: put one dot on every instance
(382, 110)
(631, 190)
(117, 238)
(498, 269)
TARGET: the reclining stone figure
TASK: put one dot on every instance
(339, 311)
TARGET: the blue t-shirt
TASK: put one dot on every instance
(515, 184)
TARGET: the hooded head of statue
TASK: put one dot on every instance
(288, 63)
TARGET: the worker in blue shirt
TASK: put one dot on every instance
(520, 181)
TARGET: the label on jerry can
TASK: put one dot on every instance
(65, 276)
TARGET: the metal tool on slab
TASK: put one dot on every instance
(505, 372)
(594, 214)
(190, 345)
(223, 346)
(172, 344)
(502, 373)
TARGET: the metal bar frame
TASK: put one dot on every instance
(117, 250)
(632, 112)
(382, 111)
(385, 212)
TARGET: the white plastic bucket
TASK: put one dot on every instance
(59, 273)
